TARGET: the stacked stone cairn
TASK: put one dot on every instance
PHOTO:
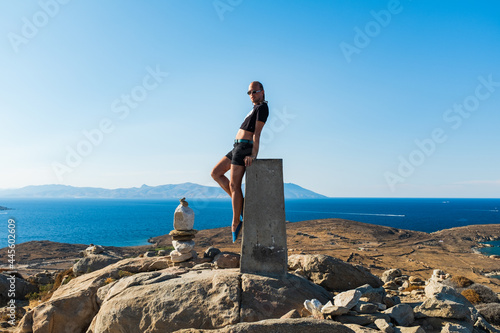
(183, 233)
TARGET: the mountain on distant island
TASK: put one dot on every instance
(171, 191)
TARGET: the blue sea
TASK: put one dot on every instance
(118, 222)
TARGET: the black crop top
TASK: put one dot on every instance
(259, 112)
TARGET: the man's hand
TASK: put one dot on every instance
(249, 160)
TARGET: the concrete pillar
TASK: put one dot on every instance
(263, 247)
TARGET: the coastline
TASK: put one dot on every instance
(117, 222)
(375, 247)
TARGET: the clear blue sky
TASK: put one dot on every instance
(367, 98)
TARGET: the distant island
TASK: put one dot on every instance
(171, 191)
(4, 208)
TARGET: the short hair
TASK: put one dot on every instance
(261, 88)
(260, 84)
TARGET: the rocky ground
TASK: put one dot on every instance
(380, 248)
(313, 246)
(375, 247)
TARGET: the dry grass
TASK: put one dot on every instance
(109, 280)
(461, 281)
(411, 288)
(472, 296)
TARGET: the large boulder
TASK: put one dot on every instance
(153, 298)
(266, 297)
(203, 299)
(73, 306)
(208, 299)
(445, 302)
(93, 262)
(332, 273)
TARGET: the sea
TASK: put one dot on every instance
(120, 222)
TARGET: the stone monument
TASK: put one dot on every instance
(183, 233)
(263, 248)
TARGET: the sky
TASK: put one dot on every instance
(367, 98)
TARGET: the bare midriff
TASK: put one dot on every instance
(245, 135)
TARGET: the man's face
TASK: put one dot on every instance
(258, 97)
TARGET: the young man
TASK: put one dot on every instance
(244, 152)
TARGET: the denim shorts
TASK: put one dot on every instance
(239, 152)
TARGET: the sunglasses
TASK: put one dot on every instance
(251, 92)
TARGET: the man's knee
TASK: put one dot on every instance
(217, 172)
(235, 187)
(215, 175)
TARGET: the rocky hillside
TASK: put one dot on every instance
(319, 294)
(380, 248)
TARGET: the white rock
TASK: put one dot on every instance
(183, 216)
(94, 249)
(183, 246)
(333, 310)
(313, 305)
(176, 256)
(347, 299)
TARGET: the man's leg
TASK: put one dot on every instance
(237, 172)
(218, 174)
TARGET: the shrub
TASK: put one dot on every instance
(486, 295)
(460, 281)
(43, 292)
(67, 279)
(33, 296)
(490, 312)
(124, 273)
(46, 288)
(471, 296)
(63, 278)
(46, 291)
(414, 287)
(109, 280)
